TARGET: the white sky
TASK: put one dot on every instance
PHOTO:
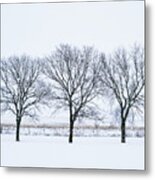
(35, 29)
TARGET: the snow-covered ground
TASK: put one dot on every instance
(85, 152)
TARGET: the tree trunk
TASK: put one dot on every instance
(123, 132)
(71, 131)
(71, 121)
(18, 128)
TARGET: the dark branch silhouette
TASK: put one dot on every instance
(21, 89)
(74, 73)
(123, 75)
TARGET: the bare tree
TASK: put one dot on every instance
(74, 75)
(123, 75)
(21, 89)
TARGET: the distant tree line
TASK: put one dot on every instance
(77, 76)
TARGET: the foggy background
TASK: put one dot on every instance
(35, 29)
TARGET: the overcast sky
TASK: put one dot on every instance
(35, 29)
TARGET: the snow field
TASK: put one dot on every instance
(84, 152)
